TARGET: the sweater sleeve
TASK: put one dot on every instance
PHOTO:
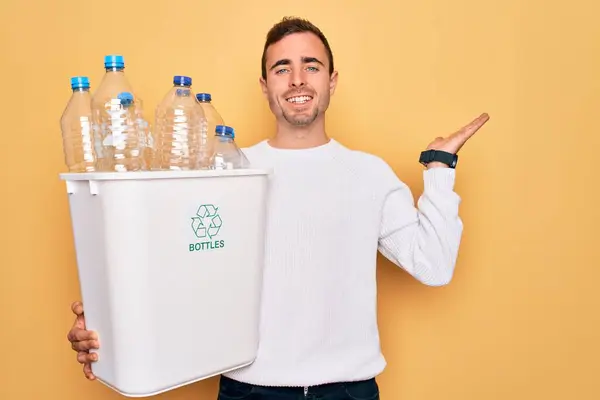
(423, 240)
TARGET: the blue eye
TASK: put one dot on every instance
(313, 68)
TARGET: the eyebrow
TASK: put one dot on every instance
(287, 61)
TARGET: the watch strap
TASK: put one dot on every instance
(428, 156)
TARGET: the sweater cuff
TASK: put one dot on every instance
(439, 179)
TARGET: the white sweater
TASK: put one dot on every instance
(330, 209)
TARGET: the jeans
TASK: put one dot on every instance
(230, 389)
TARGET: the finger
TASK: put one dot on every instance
(77, 308)
(83, 357)
(87, 370)
(85, 345)
(469, 130)
(77, 335)
(79, 323)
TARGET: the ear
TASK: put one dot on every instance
(333, 82)
(263, 86)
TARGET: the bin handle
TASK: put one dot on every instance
(72, 187)
(93, 188)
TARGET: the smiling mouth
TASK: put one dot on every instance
(299, 99)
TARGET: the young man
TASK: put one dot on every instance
(319, 334)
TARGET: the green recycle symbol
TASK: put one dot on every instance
(207, 221)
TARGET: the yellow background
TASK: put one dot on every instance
(519, 321)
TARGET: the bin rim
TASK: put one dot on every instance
(146, 175)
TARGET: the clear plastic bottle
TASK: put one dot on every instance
(178, 128)
(213, 119)
(76, 127)
(227, 155)
(114, 98)
(122, 146)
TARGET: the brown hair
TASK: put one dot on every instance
(287, 26)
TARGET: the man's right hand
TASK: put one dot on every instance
(83, 340)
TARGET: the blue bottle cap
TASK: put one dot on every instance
(114, 61)
(126, 98)
(182, 80)
(224, 130)
(80, 82)
(203, 97)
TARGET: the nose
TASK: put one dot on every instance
(297, 79)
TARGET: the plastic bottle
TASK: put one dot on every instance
(76, 127)
(227, 155)
(122, 147)
(213, 119)
(178, 128)
(114, 98)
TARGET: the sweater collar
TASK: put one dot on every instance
(321, 149)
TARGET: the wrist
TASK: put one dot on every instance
(437, 164)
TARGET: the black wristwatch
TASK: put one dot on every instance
(428, 156)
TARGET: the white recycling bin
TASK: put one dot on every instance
(170, 269)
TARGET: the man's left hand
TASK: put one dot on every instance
(454, 142)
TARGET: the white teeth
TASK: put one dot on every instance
(299, 99)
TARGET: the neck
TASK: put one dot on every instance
(299, 137)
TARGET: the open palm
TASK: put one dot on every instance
(454, 142)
